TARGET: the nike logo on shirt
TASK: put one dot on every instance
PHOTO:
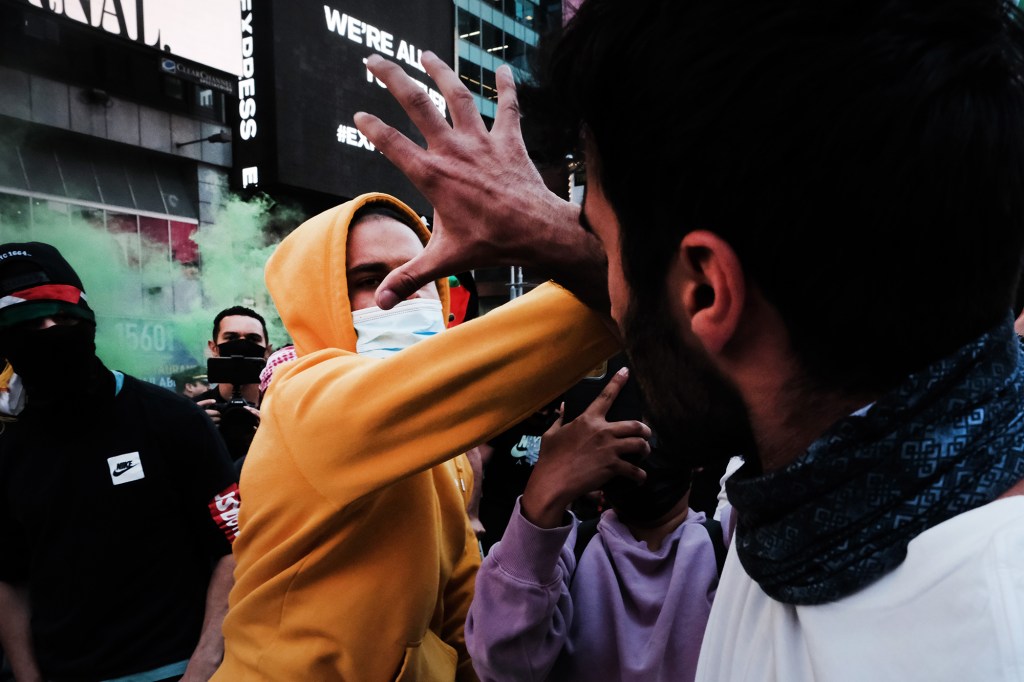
(123, 467)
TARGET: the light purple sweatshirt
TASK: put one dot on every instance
(630, 614)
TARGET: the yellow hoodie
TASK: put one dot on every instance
(355, 557)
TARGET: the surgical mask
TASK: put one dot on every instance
(12, 401)
(380, 333)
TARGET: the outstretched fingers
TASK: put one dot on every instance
(460, 102)
(483, 182)
(506, 118)
(398, 148)
(408, 156)
(411, 95)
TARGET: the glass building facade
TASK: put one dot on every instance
(491, 33)
(495, 32)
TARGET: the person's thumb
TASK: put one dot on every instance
(405, 280)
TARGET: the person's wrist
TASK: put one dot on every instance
(562, 236)
(571, 256)
(543, 509)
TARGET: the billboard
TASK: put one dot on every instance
(304, 77)
(201, 31)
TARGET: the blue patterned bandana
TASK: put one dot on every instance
(948, 440)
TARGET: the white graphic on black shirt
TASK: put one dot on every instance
(125, 468)
(528, 449)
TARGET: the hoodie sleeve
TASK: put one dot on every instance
(375, 421)
(519, 620)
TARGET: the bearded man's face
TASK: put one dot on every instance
(690, 405)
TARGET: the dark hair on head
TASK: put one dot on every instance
(863, 158)
(380, 209)
(239, 310)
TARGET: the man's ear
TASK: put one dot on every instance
(213, 348)
(710, 286)
(270, 349)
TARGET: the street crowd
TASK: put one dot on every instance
(762, 422)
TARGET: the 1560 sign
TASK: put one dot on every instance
(145, 336)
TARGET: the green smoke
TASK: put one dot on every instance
(155, 315)
(233, 252)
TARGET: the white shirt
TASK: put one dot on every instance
(952, 611)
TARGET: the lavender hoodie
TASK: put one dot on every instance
(630, 614)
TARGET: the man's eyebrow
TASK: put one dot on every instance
(372, 268)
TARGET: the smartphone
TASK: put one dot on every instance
(628, 404)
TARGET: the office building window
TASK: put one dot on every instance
(469, 27)
(492, 39)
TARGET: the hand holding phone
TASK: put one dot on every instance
(582, 455)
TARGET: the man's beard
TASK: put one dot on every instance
(693, 410)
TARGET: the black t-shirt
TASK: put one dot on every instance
(237, 425)
(115, 523)
(506, 474)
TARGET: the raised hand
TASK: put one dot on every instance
(491, 206)
(580, 456)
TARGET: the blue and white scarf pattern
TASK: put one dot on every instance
(948, 440)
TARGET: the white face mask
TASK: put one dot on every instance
(380, 333)
(12, 401)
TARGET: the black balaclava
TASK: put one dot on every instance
(58, 365)
(241, 347)
(52, 362)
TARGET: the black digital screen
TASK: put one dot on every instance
(311, 56)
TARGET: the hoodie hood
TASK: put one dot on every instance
(306, 276)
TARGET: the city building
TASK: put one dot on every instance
(166, 147)
(491, 33)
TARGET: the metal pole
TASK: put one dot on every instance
(515, 285)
